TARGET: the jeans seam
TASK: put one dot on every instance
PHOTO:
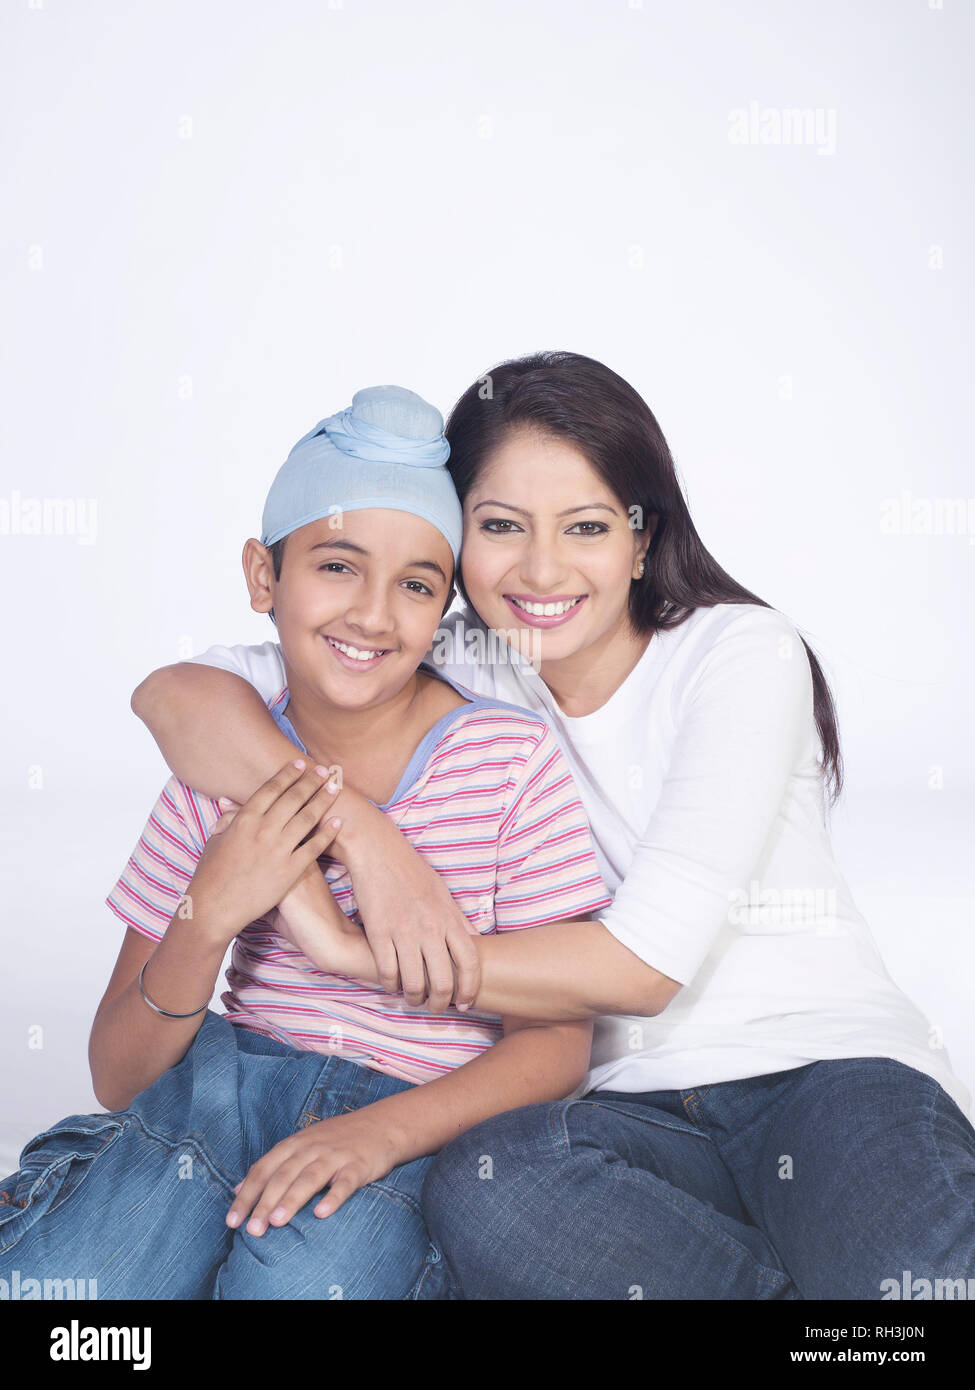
(652, 1117)
(428, 1266)
(765, 1273)
(394, 1194)
(930, 1116)
(194, 1140)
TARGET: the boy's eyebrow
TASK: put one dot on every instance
(587, 507)
(361, 550)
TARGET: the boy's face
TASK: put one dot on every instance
(359, 599)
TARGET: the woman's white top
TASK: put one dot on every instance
(701, 779)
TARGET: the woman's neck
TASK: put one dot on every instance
(583, 682)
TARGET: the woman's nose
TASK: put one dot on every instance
(542, 568)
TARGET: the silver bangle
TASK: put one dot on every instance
(165, 1012)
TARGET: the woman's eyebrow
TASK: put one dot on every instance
(569, 511)
(361, 550)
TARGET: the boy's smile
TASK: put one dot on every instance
(354, 658)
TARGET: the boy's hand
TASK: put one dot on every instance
(343, 1153)
(258, 852)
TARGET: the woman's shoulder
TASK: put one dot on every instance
(739, 618)
(741, 646)
(736, 625)
(262, 665)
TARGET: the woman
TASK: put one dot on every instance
(764, 1116)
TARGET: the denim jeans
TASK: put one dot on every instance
(136, 1199)
(814, 1183)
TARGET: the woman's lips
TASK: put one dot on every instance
(543, 620)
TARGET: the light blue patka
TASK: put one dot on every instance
(386, 450)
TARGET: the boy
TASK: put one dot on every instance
(311, 1079)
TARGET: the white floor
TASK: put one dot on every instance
(906, 856)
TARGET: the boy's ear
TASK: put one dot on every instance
(259, 574)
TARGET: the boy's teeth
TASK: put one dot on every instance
(545, 610)
(354, 652)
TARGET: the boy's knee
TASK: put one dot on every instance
(373, 1247)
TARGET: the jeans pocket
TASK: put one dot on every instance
(52, 1165)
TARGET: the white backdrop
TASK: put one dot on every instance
(222, 218)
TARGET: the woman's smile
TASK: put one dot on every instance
(550, 611)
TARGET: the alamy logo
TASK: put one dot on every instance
(24, 1290)
(76, 1343)
(813, 126)
(50, 516)
(921, 1290)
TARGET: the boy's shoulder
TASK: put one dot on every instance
(486, 731)
(488, 709)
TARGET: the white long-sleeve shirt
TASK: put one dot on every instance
(700, 777)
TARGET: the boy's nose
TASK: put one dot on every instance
(370, 619)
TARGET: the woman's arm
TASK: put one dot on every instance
(566, 970)
(213, 729)
(218, 736)
(745, 725)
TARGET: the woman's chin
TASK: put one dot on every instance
(540, 643)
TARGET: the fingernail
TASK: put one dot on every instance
(299, 764)
(278, 1214)
(322, 771)
(255, 1227)
(331, 786)
(233, 1218)
(462, 1008)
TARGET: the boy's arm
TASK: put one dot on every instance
(532, 1062)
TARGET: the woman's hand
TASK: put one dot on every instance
(415, 928)
(259, 852)
(342, 1153)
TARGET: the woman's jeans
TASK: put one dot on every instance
(136, 1199)
(821, 1182)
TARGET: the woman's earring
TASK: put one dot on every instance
(639, 570)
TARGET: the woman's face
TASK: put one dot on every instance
(548, 548)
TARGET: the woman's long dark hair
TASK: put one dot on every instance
(579, 399)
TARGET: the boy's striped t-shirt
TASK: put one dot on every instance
(487, 799)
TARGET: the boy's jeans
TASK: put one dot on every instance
(819, 1182)
(136, 1199)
